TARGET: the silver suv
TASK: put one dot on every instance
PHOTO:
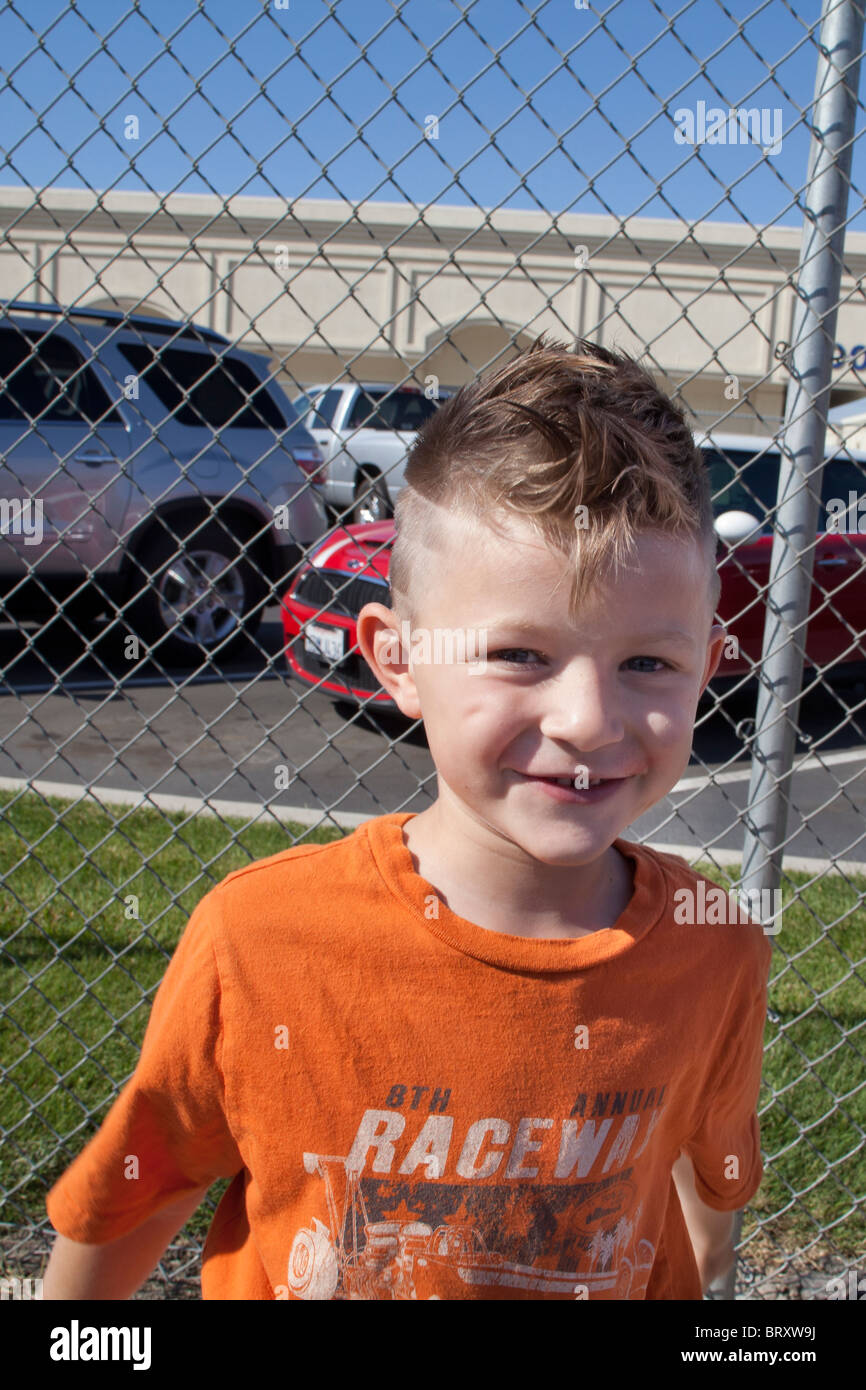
(147, 465)
(365, 431)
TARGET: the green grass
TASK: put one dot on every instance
(77, 976)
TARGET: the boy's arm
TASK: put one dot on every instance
(710, 1231)
(118, 1268)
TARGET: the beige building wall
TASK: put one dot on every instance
(389, 293)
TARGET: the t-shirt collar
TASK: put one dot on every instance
(644, 909)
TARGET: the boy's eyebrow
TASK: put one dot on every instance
(528, 625)
(669, 634)
(513, 624)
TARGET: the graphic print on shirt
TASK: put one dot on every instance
(388, 1237)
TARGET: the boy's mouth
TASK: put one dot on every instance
(569, 779)
(575, 788)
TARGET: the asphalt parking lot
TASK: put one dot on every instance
(225, 732)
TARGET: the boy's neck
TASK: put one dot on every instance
(570, 903)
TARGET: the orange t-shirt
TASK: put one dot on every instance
(413, 1106)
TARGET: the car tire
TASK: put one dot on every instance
(371, 501)
(198, 593)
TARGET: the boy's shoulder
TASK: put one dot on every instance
(299, 862)
(716, 917)
(301, 896)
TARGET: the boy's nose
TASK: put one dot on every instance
(582, 710)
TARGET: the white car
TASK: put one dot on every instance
(365, 431)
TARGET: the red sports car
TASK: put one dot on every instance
(347, 570)
(350, 568)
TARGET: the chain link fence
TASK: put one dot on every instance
(167, 713)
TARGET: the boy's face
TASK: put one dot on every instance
(614, 693)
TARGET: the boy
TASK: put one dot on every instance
(473, 1053)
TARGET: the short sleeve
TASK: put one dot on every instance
(725, 1148)
(167, 1132)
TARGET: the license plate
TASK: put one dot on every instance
(328, 643)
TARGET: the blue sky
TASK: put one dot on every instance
(331, 101)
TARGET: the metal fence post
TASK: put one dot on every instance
(802, 455)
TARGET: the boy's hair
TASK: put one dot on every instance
(581, 443)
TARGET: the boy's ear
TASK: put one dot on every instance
(715, 647)
(379, 637)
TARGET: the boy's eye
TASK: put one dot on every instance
(512, 656)
(655, 661)
(510, 653)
